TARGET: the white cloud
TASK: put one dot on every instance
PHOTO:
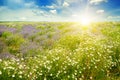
(9, 14)
(72, 1)
(2, 8)
(53, 11)
(97, 1)
(42, 12)
(100, 11)
(30, 5)
(16, 4)
(28, 14)
(113, 17)
(39, 12)
(16, 1)
(23, 18)
(65, 4)
(51, 7)
(74, 15)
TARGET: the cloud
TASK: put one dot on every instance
(23, 18)
(53, 11)
(2, 8)
(65, 4)
(73, 1)
(28, 14)
(51, 7)
(95, 2)
(113, 17)
(30, 5)
(39, 12)
(14, 4)
(74, 15)
(22, 10)
(10, 14)
(32, 10)
(100, 11)
(15, 1)
(19, 4)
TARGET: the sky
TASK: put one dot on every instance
(59, 10)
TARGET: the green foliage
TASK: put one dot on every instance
(79, 56)
(2, 45)
(6, 34)
(69, 42)
(13, 42)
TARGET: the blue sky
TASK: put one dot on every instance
(59, 10)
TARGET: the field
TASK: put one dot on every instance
(59, 51)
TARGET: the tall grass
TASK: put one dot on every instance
(79, 56)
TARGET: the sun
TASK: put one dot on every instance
(85, 20)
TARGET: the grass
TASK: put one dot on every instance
(62, 51)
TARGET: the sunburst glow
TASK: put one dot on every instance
(85, 20)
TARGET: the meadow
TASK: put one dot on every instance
(59, 51)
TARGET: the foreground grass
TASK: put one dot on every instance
(76, 53)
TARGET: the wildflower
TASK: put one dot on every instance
(22, 59)
(51, 74)
(96, 67)
(28, 75)
(73, 76)
(0, 72)
(20, 72)
(75, 73)
(20, 76)
(0, 60)
(84, 68)
(40, 74)
(80, 72)
(13, 75)
(82, 76)
(45, 78)
(65, 72)
(34, 70)
(20, 66)
(4, 68)
(91, 77)
(80, 79)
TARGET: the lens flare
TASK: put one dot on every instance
(85, 20)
